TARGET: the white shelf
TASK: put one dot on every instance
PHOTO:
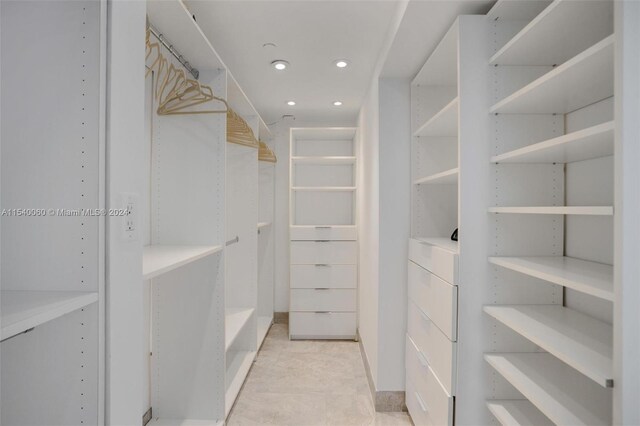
(263, 224)
(443, 123)
(264, 322)
(324, 160)
(546, 40)
(444, 243)
(235, 320)
(595, 279)
(568, 210)
(159, 259)
(184, 422)
(324, 188)
(23, 310)
(446, 177)
(517, 412)
(592, 142)
(241, 366)
(585, 79)
(579, 340)
(560, 393)
(522, 10)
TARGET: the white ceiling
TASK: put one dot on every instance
(311, 35)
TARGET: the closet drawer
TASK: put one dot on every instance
(326, 300)
(332, 325)
(436, 298)
(324, 276)
(329, 252)
(441, 262)
(428, 399)
(345, 233)
(436, 348)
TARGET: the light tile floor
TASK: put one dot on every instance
(304, 383)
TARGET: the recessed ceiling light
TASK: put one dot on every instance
(342, 63)
(337, 103)
(291, 103)
(280, 64)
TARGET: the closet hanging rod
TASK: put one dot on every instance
(193, 71)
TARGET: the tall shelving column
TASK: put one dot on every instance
(324, 251)
(53, 240)
(552, 146)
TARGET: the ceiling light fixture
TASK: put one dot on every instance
(342, 63)
(337, 103)
(280, 64)
(291, 103)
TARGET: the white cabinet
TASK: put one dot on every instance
(324, 247)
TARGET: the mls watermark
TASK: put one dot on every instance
(62, 212)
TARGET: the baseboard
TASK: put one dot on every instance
(281, 318)
(384, 401)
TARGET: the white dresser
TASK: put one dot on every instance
(324, 247)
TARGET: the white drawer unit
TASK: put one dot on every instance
(436, 298)
(323, 300)
(333, 233)
(435, 347)
(324, 275)
(324, 252)
(322, 325)
(428, 402)
(441, 261)
(324, 247)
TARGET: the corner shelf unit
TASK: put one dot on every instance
(52, 292)
(550, 268)
(202, 247)
(323, 235)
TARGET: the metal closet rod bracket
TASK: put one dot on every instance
(233, 241)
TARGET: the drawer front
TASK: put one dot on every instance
(333, 325)
(324, 252)
(437, 298)
(431, 401)
(324, 276)
(416, 406)
(306, 233)
(441, 262)
(324, 300)
(435, 347)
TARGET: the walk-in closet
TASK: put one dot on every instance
(300, 213)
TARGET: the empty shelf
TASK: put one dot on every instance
(569, 210)
(581, 341)
(444, 243)
(592, 142)
(264, 322)
(184, 422)
(444, 123)
(159, 259)
(560, 393)
(239, 369)
(446, 177)
(585, 79)
(263, 224)
(595, 279)
(517, 412)
(23, 310)
(546, 40)
(235, 320)
(324, 160)
(323, 188)
(523, 10)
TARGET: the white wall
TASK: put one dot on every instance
(125, 153)
(394, 224)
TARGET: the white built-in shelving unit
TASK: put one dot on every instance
(323, 233)
(208, 252)
(53, 175)
(552, 215)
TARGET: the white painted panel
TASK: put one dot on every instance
(323, 147)
(332, 325)
(324, 276)
(324, 252)
(323, 175)
(323, 208)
